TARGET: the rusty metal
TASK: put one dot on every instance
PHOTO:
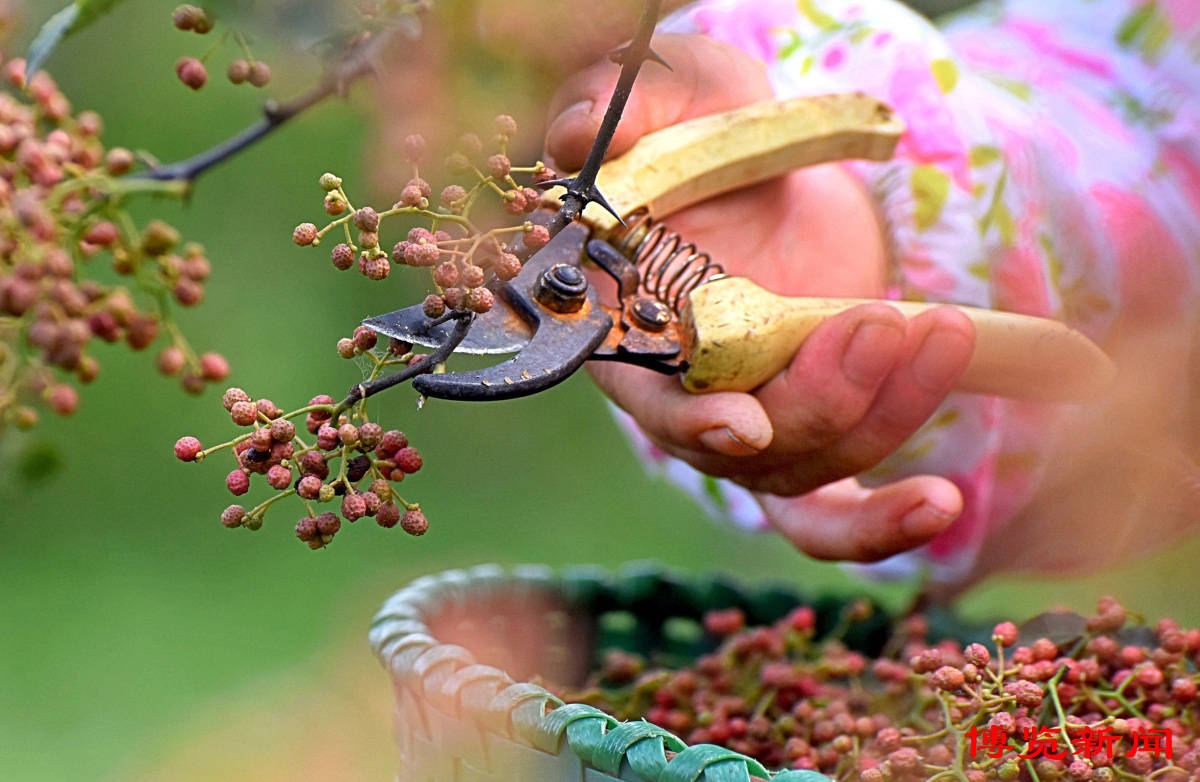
(649, 314)
(669, 268)
(559, 344)
(554, 321)
(562, 288)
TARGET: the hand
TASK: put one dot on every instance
(862, 382)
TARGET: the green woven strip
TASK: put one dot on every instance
(689, 764)
(616, 743)
(585, 736)
(547, 735)
(648, 758)
(728, 771)
(498, 714)
(800, 775)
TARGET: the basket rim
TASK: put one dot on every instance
(452, 681)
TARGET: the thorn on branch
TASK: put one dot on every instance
(618, 56)
(581, 190)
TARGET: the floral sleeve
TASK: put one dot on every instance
(1051, 167)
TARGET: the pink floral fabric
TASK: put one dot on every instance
(1051, 167)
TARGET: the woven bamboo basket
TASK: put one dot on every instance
(460, 645)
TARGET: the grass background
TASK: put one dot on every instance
(140, 640)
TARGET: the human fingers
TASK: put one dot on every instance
(729, 424)
(847, 521)
(831, 382)
(937, 348)
(707, 76)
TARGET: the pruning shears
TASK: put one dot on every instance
(676, 311)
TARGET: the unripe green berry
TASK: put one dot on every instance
(330, 182)
(327, 493)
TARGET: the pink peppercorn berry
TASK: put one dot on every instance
(187, 448)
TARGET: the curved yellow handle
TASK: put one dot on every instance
(739, 336)
(687, 163)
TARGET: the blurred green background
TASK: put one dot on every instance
(141, 640)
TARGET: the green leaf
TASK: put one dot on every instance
(71, 19)
(931, 188)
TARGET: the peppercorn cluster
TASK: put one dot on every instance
(61, 213)
(192, 70)
(1106, 700)
(351, 460)
(465, 261)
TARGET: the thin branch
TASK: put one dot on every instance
(581, 189)
(363, 390)
(358, 61)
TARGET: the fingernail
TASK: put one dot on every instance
(581, 109)
(871, 352)
(930, 368)
(926, 520)
(723, 440)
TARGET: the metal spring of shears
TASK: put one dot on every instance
(670, 268)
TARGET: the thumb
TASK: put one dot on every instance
(706, 77)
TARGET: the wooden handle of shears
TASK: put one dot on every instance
(695, 160)
(741, 336)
